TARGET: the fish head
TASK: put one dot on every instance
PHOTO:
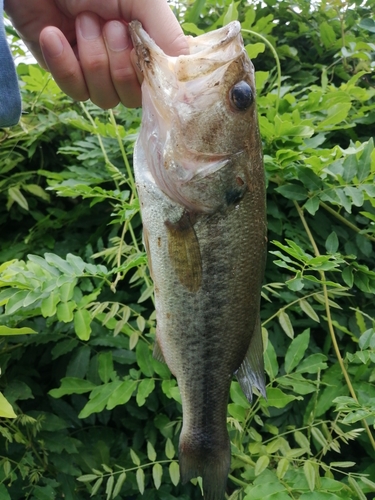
(200, 120)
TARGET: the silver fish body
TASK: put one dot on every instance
(200, 178)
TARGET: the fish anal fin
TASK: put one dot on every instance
(184, 252)
(251, 372)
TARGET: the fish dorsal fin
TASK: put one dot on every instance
(157, 353)
(251, 373)
(184, 252)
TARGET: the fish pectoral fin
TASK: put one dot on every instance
(184, 252)
(157, 353)
(146, 244)
(251, 373)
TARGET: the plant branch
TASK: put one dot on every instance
(273, 50)
(329, 321)
(345, 221)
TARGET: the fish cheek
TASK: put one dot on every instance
(184, 252)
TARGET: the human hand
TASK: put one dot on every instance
(86, 44)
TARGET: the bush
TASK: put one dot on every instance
(96, 415)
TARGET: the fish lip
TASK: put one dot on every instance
(199, 46)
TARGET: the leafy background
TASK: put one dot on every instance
(87, 412)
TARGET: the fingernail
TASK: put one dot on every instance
(116, 36)
(52, 44)
(89, 26)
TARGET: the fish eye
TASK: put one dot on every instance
(241, 96)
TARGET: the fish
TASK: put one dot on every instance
(199, 173)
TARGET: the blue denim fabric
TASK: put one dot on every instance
(10, 100)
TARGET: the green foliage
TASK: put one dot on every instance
(86, 411)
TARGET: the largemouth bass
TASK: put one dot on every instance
(199, 173)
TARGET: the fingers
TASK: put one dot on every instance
(62, 63)
(122, 70)
(155, 15)
(100, 67)
(94, 61)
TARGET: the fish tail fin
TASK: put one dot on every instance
(211, 464)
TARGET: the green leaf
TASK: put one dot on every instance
(64, 311)
(49, 304)
(327, 34)
(151, 453)
(37, 191)
(312, 364)
(4, 495)
(145, 388)
(332, 243)
(157, 474)
(140, 476)
(335, 114)
(359, 493)
(119, 483)
(59, 263)
(15, 194)
(231, 14)
(16, 302)
(6, 330)
(169, 449)
(72, 385)
(109, 487)
(105, 368)
(350, 168)
(282, 467)
(192, 28)
(122, 394)
(261, 464)
(174, 473)
(364, 163)
(293, 192)
(134, 457)
(270, 361)
(285, 323)
(96, 486)
(143, 353)
(276, 397)
(195, 10)
(254, 49)
(86, 478)
(6, 410)
(309, 471)
(309, 310)
(98, 399)
(67, 290)
(82, 322)
(296, 350)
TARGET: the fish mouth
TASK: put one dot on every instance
(206, 53)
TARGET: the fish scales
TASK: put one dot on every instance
(200, 178)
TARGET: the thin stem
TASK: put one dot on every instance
(123, 152)
(99, 137)
(273, 50)
(329, 320)
(345, 221)
(290, 304)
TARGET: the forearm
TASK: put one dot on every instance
(10, 100)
